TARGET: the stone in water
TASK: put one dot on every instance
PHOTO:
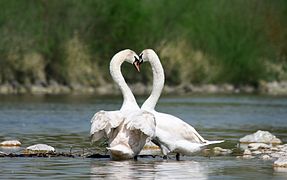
(39, 148)
(10, 143)
(262, 137)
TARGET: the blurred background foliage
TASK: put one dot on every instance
(198, 41)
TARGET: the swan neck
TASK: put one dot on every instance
(129, 100)
(158, 83)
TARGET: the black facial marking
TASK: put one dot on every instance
(141, 58)
(136, 59)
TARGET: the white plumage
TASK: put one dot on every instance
(172, 133)
(124, 129)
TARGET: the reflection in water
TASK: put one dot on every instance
(64, 122)
(149, 170)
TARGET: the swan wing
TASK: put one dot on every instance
(177, 128)
(143, 121)
(103, 122)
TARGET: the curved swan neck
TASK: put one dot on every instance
(158, 83)
(129, 101)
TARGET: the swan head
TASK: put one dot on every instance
(133, 58)
(146, 54)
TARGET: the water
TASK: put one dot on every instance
(63, 122)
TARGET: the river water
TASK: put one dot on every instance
(64, 121)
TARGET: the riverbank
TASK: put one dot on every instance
(270, 88)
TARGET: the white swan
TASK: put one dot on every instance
(123, 128)
(172, 133)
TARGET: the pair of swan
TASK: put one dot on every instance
(128, 129)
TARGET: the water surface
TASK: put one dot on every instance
(63, 122)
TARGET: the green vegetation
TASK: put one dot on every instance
(71, 42)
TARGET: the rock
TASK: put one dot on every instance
(275, 88)
(6, 89)
(221, 151)
(227, 88)
(278, 154)
(209, 88)
(138, 88)
(260, 137)
(247, 152)
(247, 89)
(274, 149)
(39, 148)
(256, 146)
(247, 157)
(150, 149)
(256, 152)
(281, 162)
(283, 148)
(10, 143)
(266, 151)
(266, 157)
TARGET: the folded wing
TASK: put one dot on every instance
(143, 121)
(103, 122)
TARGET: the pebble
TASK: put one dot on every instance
(247, 157)
(256, 152)
(221, 151)
(256, 146)
(274, 149)
(266, 157)
(39, 148)
(247, 152)
(10, 143)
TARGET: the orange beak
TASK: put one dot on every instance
(137, 65)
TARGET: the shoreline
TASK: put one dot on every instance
(264, 88)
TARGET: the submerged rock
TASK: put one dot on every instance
(10, 143)
(221, 151)
(281, 162)
(39, 148)
(260, 137)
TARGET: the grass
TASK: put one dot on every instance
(71, 42)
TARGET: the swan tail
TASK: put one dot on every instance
(212, 142)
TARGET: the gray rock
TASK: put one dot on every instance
(247, 152)
(248, 157)
(40, 148)
(221, 151)
(138, 88)
(256, 152)
(266, 157)
(260, 137)
(10, 143)
(256, 146)
(278, 154)
(281, 162)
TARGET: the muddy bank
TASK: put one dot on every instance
(270, 88)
